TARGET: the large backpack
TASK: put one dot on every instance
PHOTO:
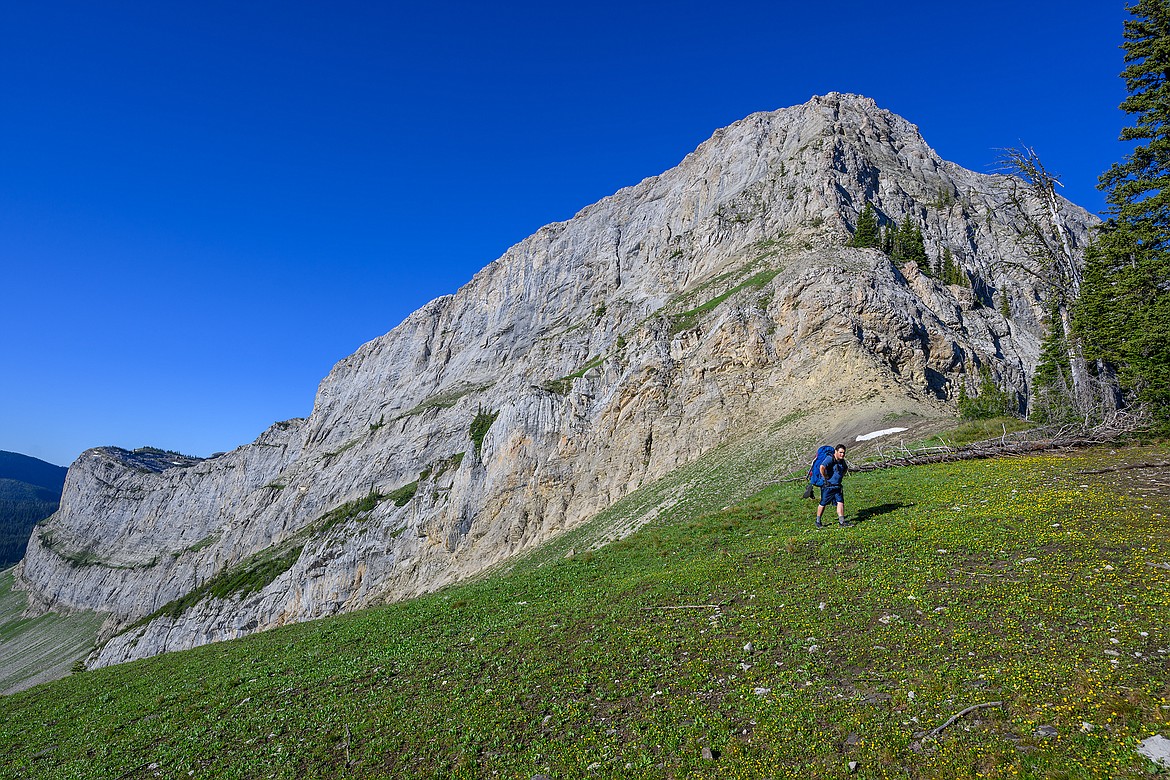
(814, 473)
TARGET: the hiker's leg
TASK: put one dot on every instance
(822, 504)
(841, 512)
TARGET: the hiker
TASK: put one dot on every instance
(833, 469)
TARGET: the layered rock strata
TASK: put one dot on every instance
(593, 357)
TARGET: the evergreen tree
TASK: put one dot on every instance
(990, 401)
(908, 245)
(916, 251)
(1123, 315)
(1038, 219)
(866, 234)
(1052, 388)
(948, 271)
(1137, 190)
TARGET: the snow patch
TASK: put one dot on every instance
(882, 432)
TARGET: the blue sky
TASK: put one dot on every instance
(204, 206)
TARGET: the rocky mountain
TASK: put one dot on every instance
(30, 490)
(690, 312)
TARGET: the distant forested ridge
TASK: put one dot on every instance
(30, 491)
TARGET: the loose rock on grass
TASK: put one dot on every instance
(1157, 749)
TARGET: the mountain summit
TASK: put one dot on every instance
(717, 307)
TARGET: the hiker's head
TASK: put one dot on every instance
(839, 452)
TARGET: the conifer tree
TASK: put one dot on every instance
(914, 248)
(866, 234)
(894, 238)
(1039, 222)
(1052, 388)
(909, 246)
(948, 271)
(991, 400)
(1123, 315)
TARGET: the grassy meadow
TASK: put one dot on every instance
(742, 643)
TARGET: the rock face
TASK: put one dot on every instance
(593, 357)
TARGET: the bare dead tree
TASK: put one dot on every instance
(1040, 229)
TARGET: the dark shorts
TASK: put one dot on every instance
(832, 494)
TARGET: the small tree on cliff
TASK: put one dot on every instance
(909, 246)
(949, 270)
(990, 401)
(866, 234)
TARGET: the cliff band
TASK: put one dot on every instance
(691, 311)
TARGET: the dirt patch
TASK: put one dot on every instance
(1139, 475)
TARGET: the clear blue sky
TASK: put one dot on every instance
(204, 206)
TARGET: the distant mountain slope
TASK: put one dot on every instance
(30, 491)
(23, 468)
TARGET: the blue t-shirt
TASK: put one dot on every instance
(835, 469)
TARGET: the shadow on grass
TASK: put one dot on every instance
(869, 513)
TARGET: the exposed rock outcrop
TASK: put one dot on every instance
(593, 357)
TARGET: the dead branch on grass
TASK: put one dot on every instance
(936, 731)
(1028, 442)
(1006, 445)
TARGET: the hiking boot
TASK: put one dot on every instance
(819, 523)
(842, 523)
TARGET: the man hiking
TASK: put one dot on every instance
(833, 469)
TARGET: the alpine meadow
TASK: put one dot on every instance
(551, 525)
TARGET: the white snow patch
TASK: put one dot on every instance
(882, 432)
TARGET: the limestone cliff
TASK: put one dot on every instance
(593, 357)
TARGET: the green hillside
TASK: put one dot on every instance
(741, 643)
(43, 648)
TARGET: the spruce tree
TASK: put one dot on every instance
(1137, 192)
(866, 234)
(894, 236)
(909, 246)
(1123, 315)
(1052, 388)
(991, 401)
(947, 269)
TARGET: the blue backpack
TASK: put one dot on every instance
(814, 473)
